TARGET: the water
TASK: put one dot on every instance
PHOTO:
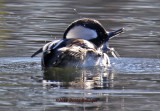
(132, 83)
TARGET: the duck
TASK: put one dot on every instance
(84, 44)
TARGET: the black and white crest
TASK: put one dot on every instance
(85, 29)
(89, 29)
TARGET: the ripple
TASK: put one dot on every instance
(136, 65)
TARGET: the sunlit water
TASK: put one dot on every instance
(131, 84)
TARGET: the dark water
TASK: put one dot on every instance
(132, 83)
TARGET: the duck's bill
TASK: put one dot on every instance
(114, 33)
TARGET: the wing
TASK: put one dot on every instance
(46, 47)
(37, 52)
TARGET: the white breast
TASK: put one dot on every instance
(81, 32)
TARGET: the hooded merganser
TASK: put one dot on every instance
(81, 46)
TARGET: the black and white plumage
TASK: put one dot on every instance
(81, 46)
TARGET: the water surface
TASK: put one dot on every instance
(131, 84)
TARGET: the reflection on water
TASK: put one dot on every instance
(89, 78)
(130, 84)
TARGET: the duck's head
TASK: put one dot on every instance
(90, 29)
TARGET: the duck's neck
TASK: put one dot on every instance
(98, 42)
